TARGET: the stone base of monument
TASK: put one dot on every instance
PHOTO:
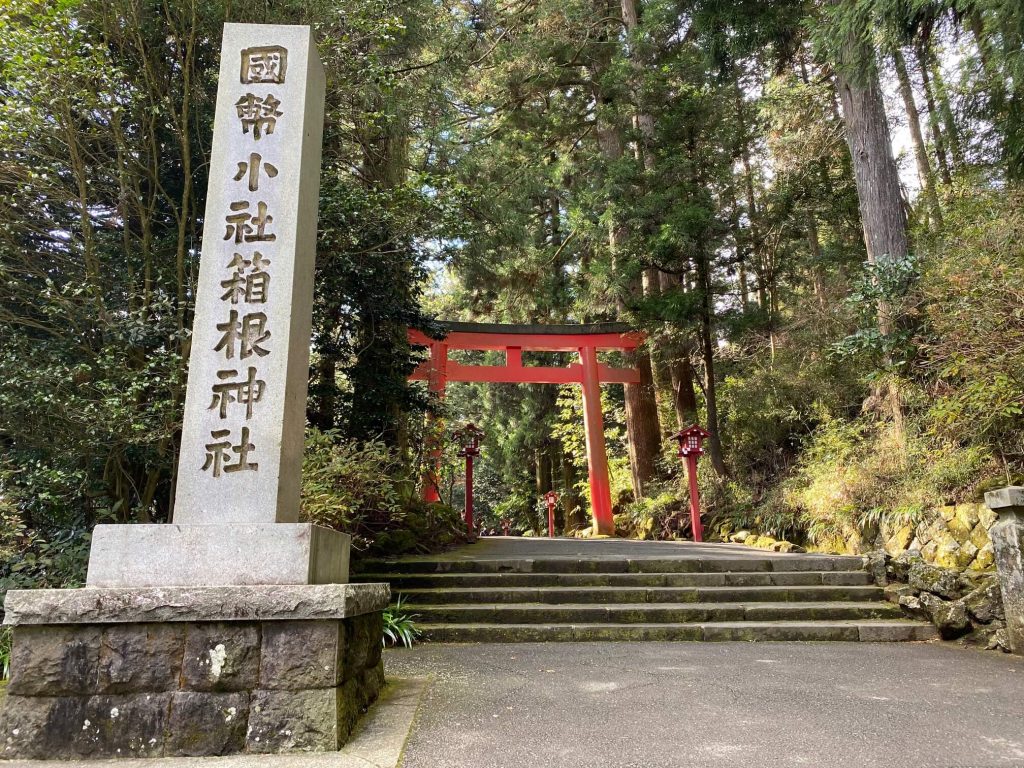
(168, 671)
(210, 555)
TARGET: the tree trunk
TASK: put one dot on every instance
(756, 244)
(878, 187)
(542, 466)
(924, 169)
(575, 515)
(680, 368)
(933, 119)
(817, 272)
(708, 353)
(739, 247)
(642, 428)
(945, 108)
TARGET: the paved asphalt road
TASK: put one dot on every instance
(654, 705)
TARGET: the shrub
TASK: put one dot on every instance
(365, 489)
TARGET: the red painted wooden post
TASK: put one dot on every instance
(691, 472)
(551, 498)
(597, 458)
(436, 384)
(470, 436)
(691, 447)
(469, 493)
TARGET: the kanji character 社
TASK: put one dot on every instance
(242, 225)
(218, 453)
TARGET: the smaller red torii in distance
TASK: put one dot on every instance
(584, 340)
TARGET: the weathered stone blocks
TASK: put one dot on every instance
(296, 720)
(126, 658)
(221, 656)
(54, 661)
(189, 688)
(203, 723)
(298, 655)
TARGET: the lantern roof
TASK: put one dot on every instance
(693, 429)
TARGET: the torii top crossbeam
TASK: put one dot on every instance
(513, 340)
(584, 340)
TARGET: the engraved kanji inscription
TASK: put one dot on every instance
(251, 167)
(258, 114)
(258, 263)
(218, 453)
(252, 288)
(247, 392)
(244, 335)
(245, 226)
(264, 64)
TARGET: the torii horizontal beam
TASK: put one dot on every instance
(513, 344)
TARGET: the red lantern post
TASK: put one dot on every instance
(551, 498)
(691, 447)
(470, 437)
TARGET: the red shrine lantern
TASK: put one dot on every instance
(551, 498)
(469, 436)
(691, 447)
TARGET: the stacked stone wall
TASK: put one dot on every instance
(189, 688)
(955, 537)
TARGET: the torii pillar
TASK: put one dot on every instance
(597, 456)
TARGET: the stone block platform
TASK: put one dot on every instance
(177, 671)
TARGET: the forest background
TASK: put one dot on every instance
(848, 323)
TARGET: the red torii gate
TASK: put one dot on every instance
(585, 340)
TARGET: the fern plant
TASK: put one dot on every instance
(399, 627)
(5, 653)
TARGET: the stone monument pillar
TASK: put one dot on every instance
(233, 628)
(1007, 536)
(237, 501)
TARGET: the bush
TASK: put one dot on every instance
(972, 340)
(366, 490)
(855, 476)
(31, 560)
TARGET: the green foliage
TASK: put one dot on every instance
(885, 285)
(972, 303)
(399, 627)
(852, 476)
(5, 653)
(30, 559)
(364, 489)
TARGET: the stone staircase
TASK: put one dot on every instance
(711, 592)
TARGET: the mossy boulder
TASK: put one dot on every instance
(937, 581)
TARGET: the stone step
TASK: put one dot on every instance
(401, 581)
(650, 613)
(864, 630)
(618, 595)
(724, 564)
